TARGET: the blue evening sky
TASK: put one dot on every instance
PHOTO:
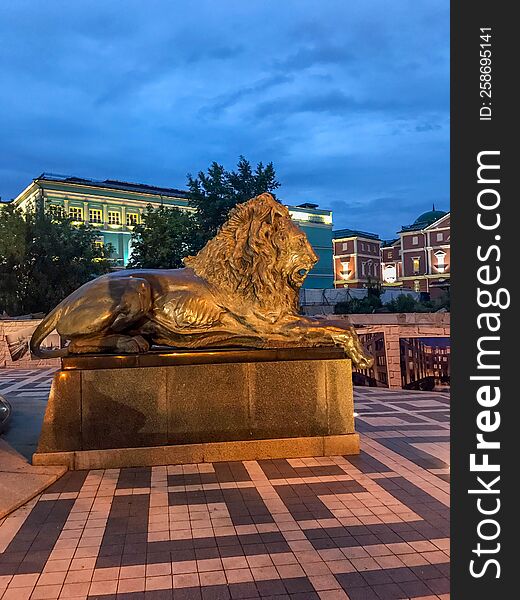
(349, 99)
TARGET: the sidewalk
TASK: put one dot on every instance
(20, 481)
(367, 527)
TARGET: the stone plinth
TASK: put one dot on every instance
(185, 407)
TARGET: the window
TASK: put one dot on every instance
(441, 265)
(439, 237)
(95, 215)
(56, 210)
(415, 240)
(114, 217)
(99, 244)
(417, 286)
(344, 246)
(76, 213)
(381, 360)
(362, 246)
(389, 254)
(416, 263)
(345, 268)
(132, 219)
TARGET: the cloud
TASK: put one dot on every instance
(349, 100)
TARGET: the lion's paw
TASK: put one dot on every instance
(132, 345)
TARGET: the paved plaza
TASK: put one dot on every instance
(367, 527)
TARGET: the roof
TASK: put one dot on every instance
(113, 184)
(391, 243)
(348, 233)
(425, 219)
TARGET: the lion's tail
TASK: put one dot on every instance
(42, 331)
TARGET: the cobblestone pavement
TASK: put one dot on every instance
(373, 526)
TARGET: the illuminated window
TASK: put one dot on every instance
(56, 210)
(114, 217)
(344, 246)
(416, 263)
(99, 244)
(389, 273)
(132, 219)
(95, 215)
(415, 240)
(345, 268)
(417, 286)
(441, 266)
(76, 213)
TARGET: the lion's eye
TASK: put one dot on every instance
(302, 272)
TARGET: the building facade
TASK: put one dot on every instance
(115, 207)
(421, 358)
(377, 375)
(317, 225)
(425, 253)
(391, 263)
(357, 258)
(418, 260)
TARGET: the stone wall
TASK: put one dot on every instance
(393, 325)
(399, 325)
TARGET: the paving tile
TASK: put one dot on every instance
(368, 527)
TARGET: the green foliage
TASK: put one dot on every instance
(366, 305)
(43, 258)
(369, 304)
(404, 303)
(214, 193)
(163, 239)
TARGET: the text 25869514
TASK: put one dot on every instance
(485, 111)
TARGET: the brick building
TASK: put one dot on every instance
(357, 258)
(425, 253)
(391, 265)
(424, 357)
(418, 260)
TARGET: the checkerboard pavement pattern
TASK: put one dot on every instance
(373, 526)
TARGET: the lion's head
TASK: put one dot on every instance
(259, 255)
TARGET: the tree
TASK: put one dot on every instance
(215, 193)
(43, 258)
(369, 304)
(12, 253)
(406, 303)
(163, 239)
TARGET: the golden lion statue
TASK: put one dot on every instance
(241, 289)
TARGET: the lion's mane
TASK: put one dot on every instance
(250, 258)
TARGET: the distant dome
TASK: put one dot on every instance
(430, 217)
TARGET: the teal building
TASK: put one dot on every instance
(115, 207)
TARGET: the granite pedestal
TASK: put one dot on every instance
(187, 407)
